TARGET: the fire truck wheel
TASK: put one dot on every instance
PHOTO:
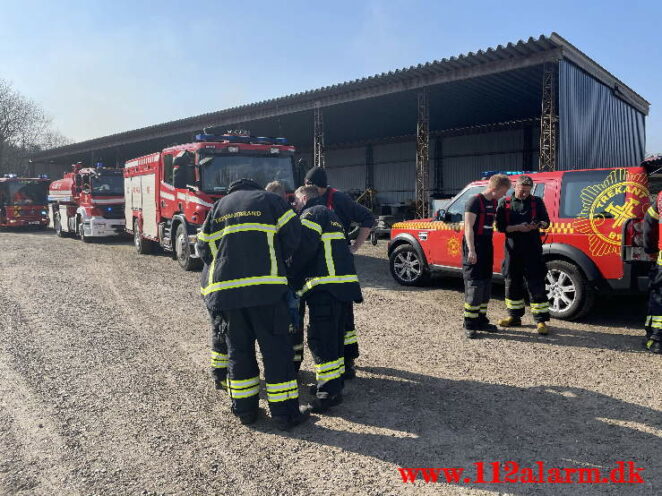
(570, 294)
(81, 232)
(183, 250)
(406, 266)
(143, 246)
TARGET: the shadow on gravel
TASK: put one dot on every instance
(413, 420)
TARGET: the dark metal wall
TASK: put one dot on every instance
(596, 127)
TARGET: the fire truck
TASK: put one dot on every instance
(23, 201)
(593, 246)
(87, 202)
(169, 193)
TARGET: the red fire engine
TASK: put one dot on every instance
(87, 202)
(169, 193)
(593, 246)
(23, 201)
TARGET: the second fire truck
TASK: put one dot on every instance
(169, 193)
(87, 202)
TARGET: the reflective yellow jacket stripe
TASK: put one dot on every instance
(317, 281)
(328, 256)
(312, 225)
(249, 226)
(241, 283)
(272, 255)
(334, 235)
(285, 218)
(651, 211)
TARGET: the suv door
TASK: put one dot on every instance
(445, 238)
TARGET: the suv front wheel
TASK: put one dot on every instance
(407, 267)
(570, 294)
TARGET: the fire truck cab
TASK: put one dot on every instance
(87, 202)
(23, 201)
(169, 193)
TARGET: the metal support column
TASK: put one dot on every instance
(423, 156)
(318, 138)
(438, 165)
(369, 167)
(548, 118)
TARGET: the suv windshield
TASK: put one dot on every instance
(24, 193)
(108, 185)
(221, 171)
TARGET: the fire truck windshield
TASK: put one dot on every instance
(108, 185)
(218, 173)
(23, 193)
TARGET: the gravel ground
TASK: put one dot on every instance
(104, 388)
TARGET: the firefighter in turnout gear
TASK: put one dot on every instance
(478, 254)
(324, 276)
(348, 211)
(244, 242)
(653, 340)
(521, 217)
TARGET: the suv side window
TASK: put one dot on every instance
(573, 185)
(456, 210)
(539, 190)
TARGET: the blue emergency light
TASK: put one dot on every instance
(99, 165)
(488, 174)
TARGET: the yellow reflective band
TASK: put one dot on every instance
(249, 226)
(651, 211)
(328, 256)
(297, 347)
(471, 307)
(298, 358)
(328, 376)
(317, 281)
(471, 315)
(333, 235)
(244, 382)
(648, 320)
(350, 340)
(281, 386)
(216, 354)
(285, 218)
(514, 304)
(241, 283)
(312, 225)
(321, 367)
(288, 395)
(272, 255)
(244, 393)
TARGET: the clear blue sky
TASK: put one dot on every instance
(104, 67)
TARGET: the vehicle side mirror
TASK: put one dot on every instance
(442, 215)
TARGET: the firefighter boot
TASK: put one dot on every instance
(654, 346)
(248, 418)
(542, 328)
(285, 422)
(510, 322)
(321, 404)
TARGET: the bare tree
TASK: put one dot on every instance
(24, 128)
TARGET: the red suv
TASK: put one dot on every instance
(593, 244)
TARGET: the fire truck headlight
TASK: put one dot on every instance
(43, 212)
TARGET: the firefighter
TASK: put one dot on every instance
(521, 217)
(323, 273)
(653, 340)
(244, 242)
(478, 254)
(348, 211)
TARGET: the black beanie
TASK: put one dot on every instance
(317, 176)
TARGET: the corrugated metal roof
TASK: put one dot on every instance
(492, 60)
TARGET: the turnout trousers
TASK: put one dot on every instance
(654, 317)
(268, 325)
(326, 331)
(524, 263)
(477, 283)
(350, 340)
